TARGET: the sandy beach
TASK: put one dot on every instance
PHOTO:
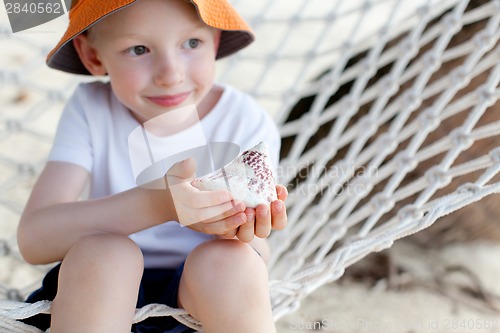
(454, 289)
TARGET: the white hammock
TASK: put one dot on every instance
(395, 105)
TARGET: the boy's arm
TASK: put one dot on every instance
(54, 220)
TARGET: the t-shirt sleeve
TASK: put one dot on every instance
(72, 141)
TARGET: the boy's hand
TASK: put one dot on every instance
(210, 212)
(261, 220)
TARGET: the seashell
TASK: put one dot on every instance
(248, 177)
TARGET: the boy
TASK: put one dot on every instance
(125, 247)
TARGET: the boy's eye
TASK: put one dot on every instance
(192, 43)
(137, 50)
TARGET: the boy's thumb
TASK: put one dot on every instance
(183, 169)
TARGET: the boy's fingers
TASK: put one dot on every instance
(214, 213)
(246, 231)
(221, 227)
(181, 171)
(279, 220)
(262, 221)
(226, 210)
(230, 233)
(281, 192)
(202, 199)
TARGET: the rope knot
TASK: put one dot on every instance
(350, 105)
(311, 55)
(14, 295)
(383, 245)
(342, 168)
(495, 155)
(423, 11)
(327, 81)
(318, 215)
(346, 46)
(452, 22)
(436, 175)
(460, 138)
(431, 60)
(332, 16)
(309, 124)
(9, 77)
(410, 212)
(389, 85)
(412, 100)
(368, 125)
(289, 94)
(486, 96)
(336, 274)
(484, 39)
(294, 259)
(369, 67)
(56, 96)
(5, 30)
(470, 188)
(14, 125)
(335, 231)
(388, 142)
(383, 31)
(460, 75)
(407, 45)
(382, 202)
(361, 185)
(26, 169)
(294, 20)
(405, 161)
(4, 248)
(429, 120)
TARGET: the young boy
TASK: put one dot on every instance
(125, 246)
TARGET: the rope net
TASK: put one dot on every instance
(387, 116)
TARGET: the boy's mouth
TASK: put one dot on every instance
(169, 100)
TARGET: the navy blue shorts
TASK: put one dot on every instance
(158, 285)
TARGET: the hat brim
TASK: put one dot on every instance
(236, 34)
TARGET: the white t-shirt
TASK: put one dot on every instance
(94, 132)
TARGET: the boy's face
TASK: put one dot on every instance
(158, 54)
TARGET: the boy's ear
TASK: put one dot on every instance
(88, 55)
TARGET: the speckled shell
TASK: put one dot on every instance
(249, 177)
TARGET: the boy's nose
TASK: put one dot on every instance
(169, 71)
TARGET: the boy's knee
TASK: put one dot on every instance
(229, 257)
(224, 272)
(106, 249)
(99, 267)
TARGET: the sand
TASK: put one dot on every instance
(437, 291)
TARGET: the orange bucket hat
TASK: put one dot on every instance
(219, 14)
